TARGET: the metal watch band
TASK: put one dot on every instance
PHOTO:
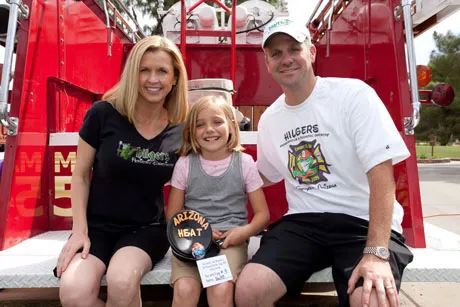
(377, 251)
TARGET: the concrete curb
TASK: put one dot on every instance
(443, 160)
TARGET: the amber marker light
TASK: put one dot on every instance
(423, 75)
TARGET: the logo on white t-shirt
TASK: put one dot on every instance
(306, 163)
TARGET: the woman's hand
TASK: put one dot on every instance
(76, 241)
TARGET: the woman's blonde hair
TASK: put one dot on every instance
(124, 95)
(189, 139)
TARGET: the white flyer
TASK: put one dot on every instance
(214, 270)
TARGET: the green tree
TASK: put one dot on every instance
(443, 122)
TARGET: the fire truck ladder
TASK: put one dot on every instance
(17, 9)
(232, 33)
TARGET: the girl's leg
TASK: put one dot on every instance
(221, 294)
(126, 269)
(80, 282)
(187, 292)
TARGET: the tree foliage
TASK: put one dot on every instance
(443, 122)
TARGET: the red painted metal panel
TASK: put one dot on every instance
(62, 66)
(254, 85)
(346, 46)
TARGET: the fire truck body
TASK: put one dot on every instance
(68, 53)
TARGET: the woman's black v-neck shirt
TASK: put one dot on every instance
(129, 172)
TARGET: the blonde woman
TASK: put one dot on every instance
(129, 143)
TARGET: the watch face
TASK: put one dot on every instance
(383, 252)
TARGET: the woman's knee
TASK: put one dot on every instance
(122, 282)
(74, 293)
(80, 282)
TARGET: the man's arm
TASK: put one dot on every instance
(381, 202)
(375, 271)
(265, 180)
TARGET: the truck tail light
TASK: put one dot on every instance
(442, 95)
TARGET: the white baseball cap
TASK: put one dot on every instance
(287, 26)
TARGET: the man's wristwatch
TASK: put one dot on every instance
(379, 251)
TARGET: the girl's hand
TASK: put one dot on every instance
(76, 241)
(216, 234)
(234, 236)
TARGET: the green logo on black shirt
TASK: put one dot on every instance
(141, 155)
(125, 151)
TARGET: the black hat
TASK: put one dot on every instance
(190, 236)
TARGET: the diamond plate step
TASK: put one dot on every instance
(30, 264)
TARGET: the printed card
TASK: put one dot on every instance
(214, 270)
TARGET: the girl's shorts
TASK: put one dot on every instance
(237, 257)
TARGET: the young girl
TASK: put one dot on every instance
(215, 178)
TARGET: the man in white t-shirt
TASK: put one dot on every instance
(334, 144)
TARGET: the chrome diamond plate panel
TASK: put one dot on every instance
(30, 264)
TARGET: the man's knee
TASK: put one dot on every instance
(356, 298)
(258, 285)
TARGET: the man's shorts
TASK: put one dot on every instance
(151, 239)
(237, 257)
(298, 245)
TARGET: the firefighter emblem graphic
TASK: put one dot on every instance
(307, 163)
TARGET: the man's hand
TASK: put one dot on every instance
(234, 236)
(76, 241)
(376, 274)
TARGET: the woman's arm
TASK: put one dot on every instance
(79, 197)
(80, 185)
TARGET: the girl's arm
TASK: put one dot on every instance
(175, 202)
(238, 235)
(260, 210)
(79, 198)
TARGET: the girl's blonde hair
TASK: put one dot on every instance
(189, 139)
(124, 95)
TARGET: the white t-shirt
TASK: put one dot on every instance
(324, 147)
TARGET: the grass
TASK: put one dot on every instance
(424, 151)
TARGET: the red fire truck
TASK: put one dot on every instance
(68, 53)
